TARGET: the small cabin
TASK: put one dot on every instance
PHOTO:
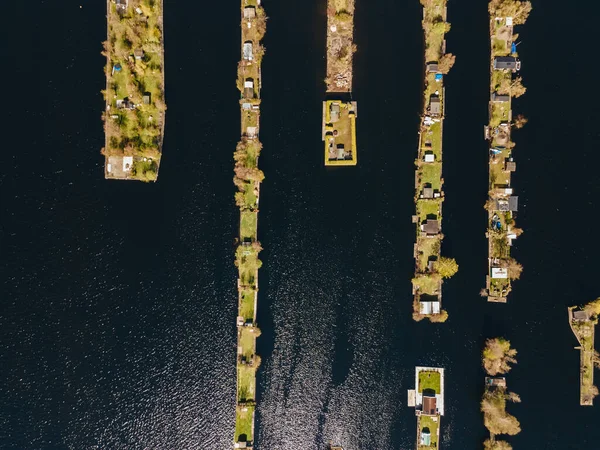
(498, 98)
(435, 105)
(247, 51)
(507, 63)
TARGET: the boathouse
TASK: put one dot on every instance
(432, 67)
(249, 12)
(431, 227)
(498, 98)
(435, 106)
(507, 63)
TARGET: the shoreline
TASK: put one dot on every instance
(502, 203)
(339, 110)
(135, 109)
(247, 179)
(430, 266)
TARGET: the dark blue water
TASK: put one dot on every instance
(118, 310)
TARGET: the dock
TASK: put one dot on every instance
(503, 203)
(583, 324)
(134, 115)
(428, 400)
(429, 194)
(339, 110)
(248, 178)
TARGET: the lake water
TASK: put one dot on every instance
(119, 299)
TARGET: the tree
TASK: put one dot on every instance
(593, 307)
(498, 356)
(495, 417)
(446, 62)
(520, 121)
(447, 267)
(513, 87)
(439, 318)
(492, 444)
(516, 9)
(514, 269)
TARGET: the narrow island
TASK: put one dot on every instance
(247, 180)
(339, 111)
(428, 400)
(430, 266)
(497, 359)
(583, 321)
(134, 117)
(502, 203)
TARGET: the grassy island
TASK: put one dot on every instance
(339, 111)
(502, 203)
(430, 267)
(497, 358)
(583, 321)
(428, 400)
(247, 179)
(134, 117)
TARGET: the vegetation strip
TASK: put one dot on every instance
(247, 180)
(428, 400)
(339, 111)
(430, 266)
(497, 358)
(134, 117)
(502, 204)
(583, 323)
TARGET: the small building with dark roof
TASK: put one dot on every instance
(581, 316)
(500, 98)
(249, 12)
(429, 405)
(432, 67)
(435, 105)
(431, 227)
(506, 63)
(427, 192)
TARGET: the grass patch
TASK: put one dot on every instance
(431, 423)
(247, 340)
(427, 284)
(431, 173)
(246, 306)
(427, 247)
(244, 422)
(430, 380)
(248, 224)
(246, 383)
(429, 207)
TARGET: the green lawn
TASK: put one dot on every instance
(427, 247)
(246, 306)
(431, 173)
(246, 383)
(499, 287)
(430, 380)
(427, 284)
(428, 207)
(247, 340)
(244, 421)
(434, 136)
(248, 224)
(429, 422)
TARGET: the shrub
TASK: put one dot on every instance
(498, 356)
(447, 267)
